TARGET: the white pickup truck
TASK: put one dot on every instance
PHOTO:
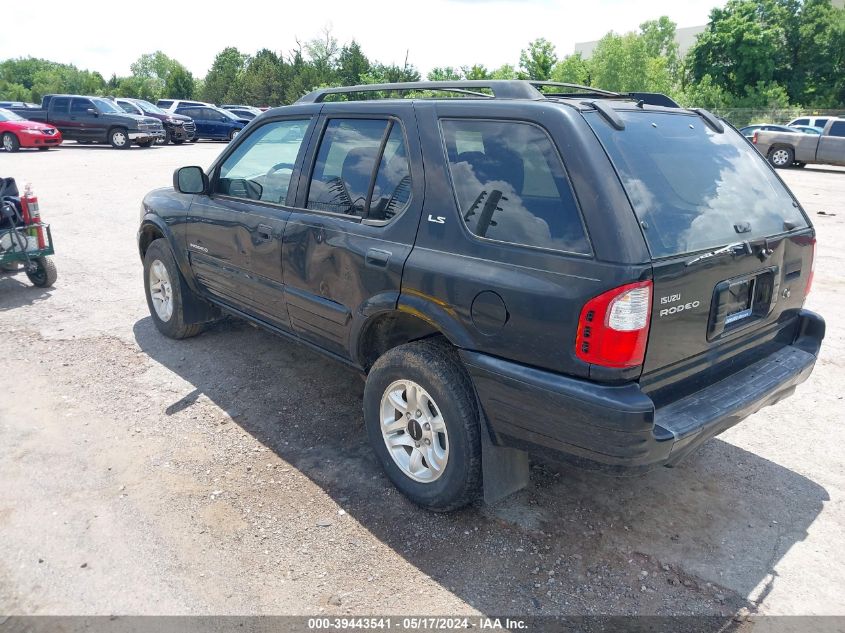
(785, 149)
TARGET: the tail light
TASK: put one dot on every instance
(32, 211)
(754, 138)
(812, 267)
(613, 327)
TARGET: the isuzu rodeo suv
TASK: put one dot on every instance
(516, 267)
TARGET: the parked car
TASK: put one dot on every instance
(808, 129)
(177, 128)
(813, 121)
(588, 277)
(748, 130)
(791, 149)
(213, 123)
(17, 132)
(242, 111)
(18, 104)
(95, 120)
(171, 105)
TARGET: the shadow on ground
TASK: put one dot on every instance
(16, 290)
(715, 527)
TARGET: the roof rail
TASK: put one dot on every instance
(590, 89)
(501, 89)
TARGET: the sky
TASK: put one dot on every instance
(107, 36)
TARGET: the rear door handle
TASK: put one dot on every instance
(264, 232)
(377, 258)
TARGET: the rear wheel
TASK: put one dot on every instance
(11, 142)
(233, 134)
(423, 423)
(781, 157)
(119, 138)
(44, 273)
(162, 285)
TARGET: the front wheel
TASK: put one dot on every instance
(44, 273)
(162, 285)
(781, 157)
(146, 143)
(423, 424)
(11, 142)
(167, 138)
(119, 138)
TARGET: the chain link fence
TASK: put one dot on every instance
(740, 117)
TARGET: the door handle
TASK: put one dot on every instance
(377, 258)
(264, 232)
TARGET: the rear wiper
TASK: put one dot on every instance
(738, 248)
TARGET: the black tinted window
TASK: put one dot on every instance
(128, 107)
(821, 122)
(837, 129)
(164, 103)
(262, 165)
(80, 106)
(60, 105)
(801, 122)
(344, 168)
(392, 189)
(511, 186)
(690, 186)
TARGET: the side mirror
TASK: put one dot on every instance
(190, 180)
(92, 111)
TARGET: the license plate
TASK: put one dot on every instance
(739, 301)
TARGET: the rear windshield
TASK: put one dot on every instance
(692, 188)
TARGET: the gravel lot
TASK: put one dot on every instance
(229, 474)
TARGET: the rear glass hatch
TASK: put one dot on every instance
(731, 248)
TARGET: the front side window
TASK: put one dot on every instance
(262, 165)
(511, 186)
(361, 169)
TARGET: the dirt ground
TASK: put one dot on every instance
(229, 474)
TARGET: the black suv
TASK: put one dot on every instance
(579, 273)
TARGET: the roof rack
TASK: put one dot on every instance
(500, 89)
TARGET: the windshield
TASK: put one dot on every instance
(692, 188)
(8, 115)
(104, 105)
(148, 107)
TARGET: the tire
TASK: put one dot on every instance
(798, 165)
(178, 141)
(43, 149)
(11, 142)
(781, 157)
(45, 273)
(119, 138)
(433, 370)
(167, 138)
(233, 134)
(159, 259)
(148, 143)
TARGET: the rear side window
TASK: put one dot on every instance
(164, 103)
(693, 188)
(261, 167)
(361, 169)
(837, 129)
(511, 186)
(61, 105)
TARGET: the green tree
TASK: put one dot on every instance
(537, 61)
(447, 73)
(322, 54)
(352, 64)
(505, 71)
(476, 71)
(179, 83)
(221, 82)
(572, 69)
(263, 80)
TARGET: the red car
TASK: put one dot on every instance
(17, 132)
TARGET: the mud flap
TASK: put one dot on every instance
(505, 470)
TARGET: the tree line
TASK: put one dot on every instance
(752, 54)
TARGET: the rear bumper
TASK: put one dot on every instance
(618, 427)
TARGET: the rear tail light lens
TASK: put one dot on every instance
(812, 267)
(754, 138)
(613, 327)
